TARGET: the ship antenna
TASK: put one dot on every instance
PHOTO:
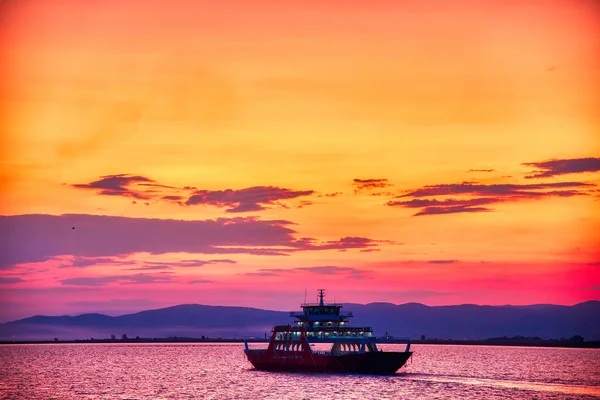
(304, 296)
(321, 296)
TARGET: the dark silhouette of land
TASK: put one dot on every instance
(573, 342)
(546, 325)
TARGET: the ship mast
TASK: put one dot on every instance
(321, 297)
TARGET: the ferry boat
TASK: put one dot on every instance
(353, 349)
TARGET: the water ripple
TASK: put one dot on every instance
(220, 371)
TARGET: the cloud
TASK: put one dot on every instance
(196, 281)
(348, 272)
(419, 203)
(368, 250)
(173, 198)
(474, 188)
(149, 268)
(120, 185)
(442, 261)
(105, 280)
(348, 242)
(10, 280)
(185, 263)
(82, 262)
(138, 187)
(334, 194)
(451, 210)
(244, 200)
(369, 184)
(551, 168)
(41, 237)
(114, 303)
(492, 194)
(481, 170)
(332, 270)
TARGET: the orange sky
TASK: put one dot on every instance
(312, 113)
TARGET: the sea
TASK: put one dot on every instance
(220, 371)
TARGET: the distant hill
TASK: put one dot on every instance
(406, 320)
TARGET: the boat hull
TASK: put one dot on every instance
(379, 363)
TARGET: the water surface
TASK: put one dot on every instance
(220, 371)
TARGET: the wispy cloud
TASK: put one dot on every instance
(10, 280)
(344, 243)
(255, 198)
(361, 185)
(481, 170)
(182, 264)
(105, 280)
(555, 167)
(135, 186)
(496, 189)
(82, 262)
(442, 261)
(197, 281)
(347, 272)
(591, 288)
(470, 202)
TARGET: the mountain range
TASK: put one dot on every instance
(467, 321)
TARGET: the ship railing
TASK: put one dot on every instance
(321, 353)
(394, 340)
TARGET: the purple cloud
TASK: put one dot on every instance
(251, 199)
(37, 238)
(119, 185)
(442, 261)
(149, 267)
(105, 280)
(82, 262)
(196, 281)
(245, 200)
(173, 198)
(369, 184)
(189, 263)
(481, 170)
(347, 272)
(492, 194)
(332, 270)
(550, 168)
(348, 242)
(419, 203)
(10, 280)
(473, 188)
(451, 210)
